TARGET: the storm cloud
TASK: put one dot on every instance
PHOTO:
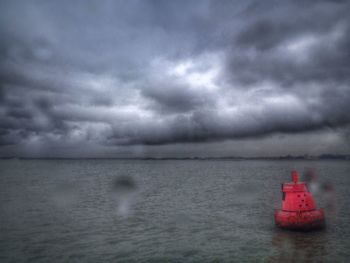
(106, 78)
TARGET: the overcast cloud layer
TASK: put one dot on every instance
(126, 78)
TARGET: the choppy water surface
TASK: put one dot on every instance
(163, 211)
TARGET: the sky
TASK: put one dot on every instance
(157, 78)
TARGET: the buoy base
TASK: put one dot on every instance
(300, 220)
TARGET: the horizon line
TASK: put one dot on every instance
(281, 157)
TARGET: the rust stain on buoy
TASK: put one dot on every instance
(298, 207)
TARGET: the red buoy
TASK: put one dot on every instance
(298, 207)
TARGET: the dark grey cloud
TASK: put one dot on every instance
(141, 73)
(321, 28)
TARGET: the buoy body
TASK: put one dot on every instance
(298, 207)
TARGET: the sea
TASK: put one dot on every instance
(166, 211)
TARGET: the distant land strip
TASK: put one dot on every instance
(284, 157)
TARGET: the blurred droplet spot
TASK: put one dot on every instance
(124, 184)
(123, 192)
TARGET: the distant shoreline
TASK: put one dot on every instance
(233, 158)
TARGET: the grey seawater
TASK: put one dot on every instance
(163, 211)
